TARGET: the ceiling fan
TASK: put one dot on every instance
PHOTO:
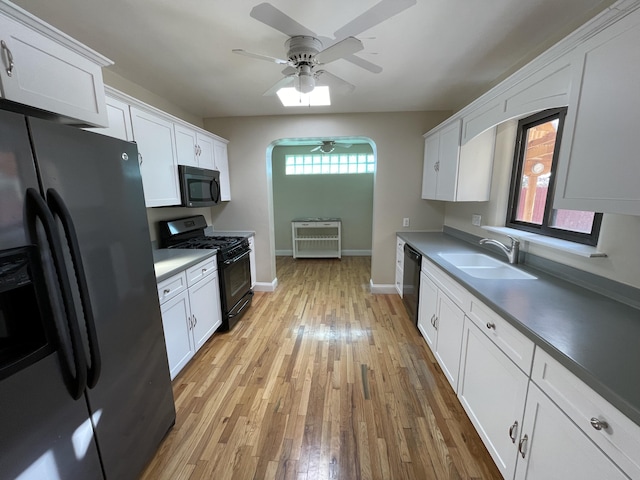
(329, 146)
(306, 51)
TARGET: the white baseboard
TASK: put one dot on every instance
(345, 253)
(266, 286)
(387, 289)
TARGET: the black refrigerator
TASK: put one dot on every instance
(85, 391)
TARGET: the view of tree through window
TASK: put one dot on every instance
(532, 185)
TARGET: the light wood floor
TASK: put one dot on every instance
(320, 380)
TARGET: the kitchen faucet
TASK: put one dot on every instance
(511, 252)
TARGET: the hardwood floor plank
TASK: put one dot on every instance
(321, 379)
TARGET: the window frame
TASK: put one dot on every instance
(516, 175)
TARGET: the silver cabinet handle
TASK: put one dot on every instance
(522, 446)
(204, 270)
(491, 326)
(9, 58)
(435, 322)
(166, 290)
(599, 424)
(195, 321)
(513, 431)
(190, 322)
(140, 160)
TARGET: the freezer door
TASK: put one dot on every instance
(44, 432)
(98, 180)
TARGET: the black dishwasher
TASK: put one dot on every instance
(411, 281)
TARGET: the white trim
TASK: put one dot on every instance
(549, 242)
(384, 289)
(266, 286)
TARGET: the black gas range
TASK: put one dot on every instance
(233, 262)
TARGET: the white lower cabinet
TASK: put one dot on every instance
(493, 392)
(536, 418)
(189, 315)
(441, 321)
(551, 447)
(252, 260)
(399, 265)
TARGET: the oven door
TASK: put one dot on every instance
(199, 187)
(235, 287)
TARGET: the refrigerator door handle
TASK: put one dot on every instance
(36, 208)
(59, 209)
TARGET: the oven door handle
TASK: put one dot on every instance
(238, 258)
(231, 315)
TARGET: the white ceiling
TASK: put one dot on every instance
(436, 55)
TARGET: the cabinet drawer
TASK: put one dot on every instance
(507, 338)
(620, 440)
(452, 289)
(201, 270)
(171, 287)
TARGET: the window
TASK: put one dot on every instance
(329, 163)
(532, 183)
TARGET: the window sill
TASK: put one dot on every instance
(549, 242)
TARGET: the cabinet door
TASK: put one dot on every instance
(204, 298)
(50, 76)
(598, 167)
(449, 323)
(206, 157)
(222, 164)
(430, 166)
(553, 448)
(119, 121)
(492, 391)
(186, 146)
(427, 310)
(176, 317)
(448, 161)
(156, 147)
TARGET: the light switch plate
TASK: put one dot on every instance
(405, 222)
(476, 220)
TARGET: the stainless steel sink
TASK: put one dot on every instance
(479, 265)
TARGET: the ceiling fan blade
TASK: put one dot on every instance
(343, 48)
(289, 71)
(377, 14)
(333, 82)
(282, 83)
(259, 56)
(271, 16)
(362, 63)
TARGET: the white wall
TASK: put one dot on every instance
(397, 185)
(347, 196)
(619, 234)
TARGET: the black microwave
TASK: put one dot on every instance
(199, 187)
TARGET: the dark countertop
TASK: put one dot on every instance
(595, 337)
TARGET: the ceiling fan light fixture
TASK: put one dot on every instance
(304, 81)
(290, 97)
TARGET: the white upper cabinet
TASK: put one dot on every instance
(455, 172)
(119, 120)
(222, 164)
(186, 145)
(156, 149)
(546, 88)
(193, 148)
(598, 167)
(43, 68)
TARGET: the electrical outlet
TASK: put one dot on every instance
(476, 220)
(405, 222)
